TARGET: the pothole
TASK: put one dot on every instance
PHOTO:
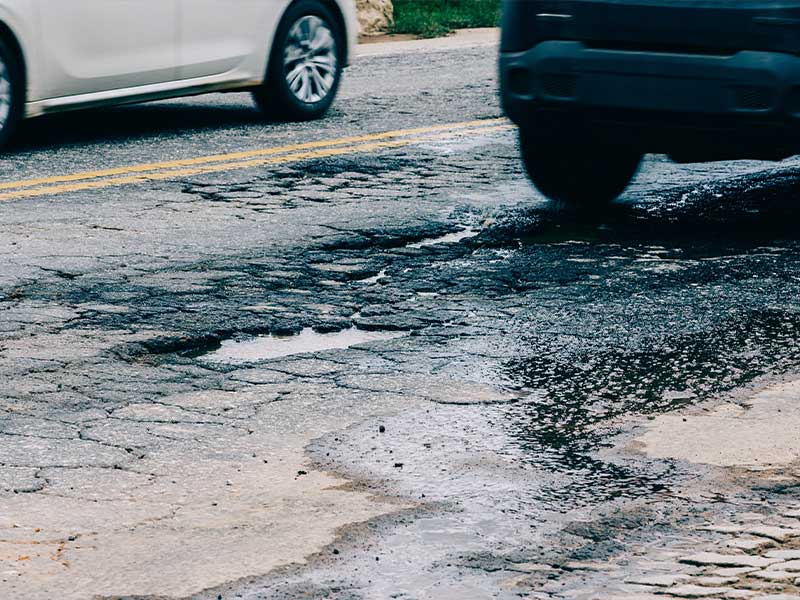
(448, 238)
(267, 347)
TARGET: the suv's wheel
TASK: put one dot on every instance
(11, 99)
(579, 170)
(305, 65)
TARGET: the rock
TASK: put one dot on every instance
(734, 571)
(666, 580)
(696, 591)
(715, 581)
(588, 565)
(769, 575)
(779, 534)
(749, 543)
(532, 567)
(723, 528)
(784, 554)
(792, 565)
(727, 560)
(374, 16)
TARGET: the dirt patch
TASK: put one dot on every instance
(763, 433)
(226, 516)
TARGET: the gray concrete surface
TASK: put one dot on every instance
(497, 447)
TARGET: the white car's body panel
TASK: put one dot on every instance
(82, 53)
(129, 43)
(220, 36)
(143, 93)
(20, 17)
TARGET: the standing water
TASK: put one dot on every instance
(266, 347)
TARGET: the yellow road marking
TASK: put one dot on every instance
(244, 154)
(133, 174)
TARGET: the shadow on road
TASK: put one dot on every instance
(135, 122)
(751, 209)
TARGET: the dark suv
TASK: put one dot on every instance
(596, 84)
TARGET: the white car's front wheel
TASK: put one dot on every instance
(306, 64)
(11, 99)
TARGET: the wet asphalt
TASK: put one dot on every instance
(538, 341)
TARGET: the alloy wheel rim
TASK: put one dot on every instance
(5, 94)
(310, 61)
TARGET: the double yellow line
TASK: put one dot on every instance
(93, 180)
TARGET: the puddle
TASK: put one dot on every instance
(449, 238)
(267, 347)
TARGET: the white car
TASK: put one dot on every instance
(58, 55)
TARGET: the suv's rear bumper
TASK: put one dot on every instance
(755, 95)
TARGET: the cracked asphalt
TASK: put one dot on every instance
(485, 441)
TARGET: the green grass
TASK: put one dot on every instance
(434, 18)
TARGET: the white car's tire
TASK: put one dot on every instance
(305, 65)
(12, 98)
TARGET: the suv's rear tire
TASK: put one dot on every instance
(579, 169)
(305, 65)
(12, 101)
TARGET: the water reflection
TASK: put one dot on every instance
(578, 395)
(267, 347)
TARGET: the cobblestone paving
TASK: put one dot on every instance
(753, 556)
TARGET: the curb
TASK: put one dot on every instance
(462, 38)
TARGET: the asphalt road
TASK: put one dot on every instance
(168, 429)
